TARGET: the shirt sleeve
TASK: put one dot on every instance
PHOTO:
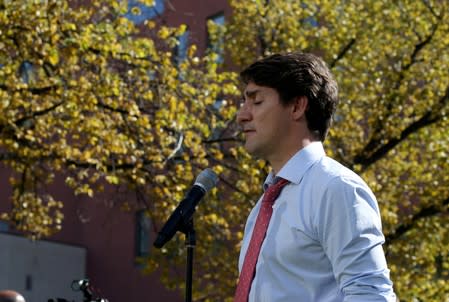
(350, 231)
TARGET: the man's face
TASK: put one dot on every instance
(265, 121)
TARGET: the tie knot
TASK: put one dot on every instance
(274, 190)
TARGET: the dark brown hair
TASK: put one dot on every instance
(299, 74)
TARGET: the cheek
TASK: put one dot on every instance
(265, 117)
(274, 123)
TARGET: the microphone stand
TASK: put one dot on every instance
(189, 230)
(182, 220)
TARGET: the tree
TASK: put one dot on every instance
(87, 95)
(391, 61)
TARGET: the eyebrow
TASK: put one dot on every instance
(251, 94)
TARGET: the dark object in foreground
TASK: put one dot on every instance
(84, 286)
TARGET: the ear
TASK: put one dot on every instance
(299, 106)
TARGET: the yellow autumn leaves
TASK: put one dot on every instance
(83, 92)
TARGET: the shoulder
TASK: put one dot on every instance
(328, 173)
(342, 205)
(339, 189)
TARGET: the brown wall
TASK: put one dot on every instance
(194, 13)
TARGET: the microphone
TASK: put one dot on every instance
(204, 182)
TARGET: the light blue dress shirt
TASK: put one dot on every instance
(324, 241)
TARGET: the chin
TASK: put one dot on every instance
(252, 150)
(249, 150)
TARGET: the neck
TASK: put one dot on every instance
(279, 161)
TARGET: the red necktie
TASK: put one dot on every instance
(259, 231)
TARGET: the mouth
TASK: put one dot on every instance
(247, 132)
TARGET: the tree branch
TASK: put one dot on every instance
(418, 47)
(33, 90)
(221, 140)
(9, 156)
(432, 116)
(260, 35)
(364, 156)
(22, 120)
(422, 213)
(233, 187)
(118, 110)
(430, 8)
(342, 52)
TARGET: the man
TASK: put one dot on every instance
(324, 240)
(10, 296)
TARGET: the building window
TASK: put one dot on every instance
(215, 40)
(143, 224)
(139, 12)
(27, 72)
(311, 20)
(181, 48)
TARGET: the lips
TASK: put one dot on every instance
(246, 131)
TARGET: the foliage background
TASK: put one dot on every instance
(86, 95)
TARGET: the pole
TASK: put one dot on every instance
(190, 245)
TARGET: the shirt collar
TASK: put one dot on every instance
(297, 165)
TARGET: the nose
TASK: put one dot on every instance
(244, 114)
